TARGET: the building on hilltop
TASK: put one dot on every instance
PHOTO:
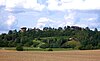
(76, 28)
(23, 29)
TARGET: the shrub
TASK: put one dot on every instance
(50, 49)
(44, 45)
(19, 48)
(87, 47)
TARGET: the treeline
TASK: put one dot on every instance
(68, 37)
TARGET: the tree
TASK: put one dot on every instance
(53, 38)
(98, 46)
(87, 28)
(89, 47)
(71, 44)
(10, 32)
(59, 28)
(95, 30)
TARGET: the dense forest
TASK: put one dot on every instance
(67, 37)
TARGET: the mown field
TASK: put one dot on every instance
(73, 55)
(36, 49)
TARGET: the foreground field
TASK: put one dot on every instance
(87, 55)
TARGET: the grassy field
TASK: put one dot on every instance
(36, 49)
(73, 55)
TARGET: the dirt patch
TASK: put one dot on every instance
(87, 55)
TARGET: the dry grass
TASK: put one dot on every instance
(87, 55)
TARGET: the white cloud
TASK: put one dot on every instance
(11, 20)
(73, 4)
(2, 2)
(53, 4)
(74, 18)
(88, 20)
(33, 5)
(27, 4)
(91, 25)
(11, 3)
(92, 19)
(70, 18)
(43, 22)
(67, 18)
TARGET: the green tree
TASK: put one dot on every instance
(71, 44)
(19, 47)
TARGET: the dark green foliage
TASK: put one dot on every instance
(50, 49)
(98, 46)
(84, 38)
(19, 48)
(87, 47)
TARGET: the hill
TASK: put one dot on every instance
(68, 37)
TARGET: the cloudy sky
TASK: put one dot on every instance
(52, 13)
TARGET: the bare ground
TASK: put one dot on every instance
(86, 55)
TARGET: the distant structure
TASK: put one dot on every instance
(76, 28)
(23, 29)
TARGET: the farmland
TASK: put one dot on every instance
(73, 55)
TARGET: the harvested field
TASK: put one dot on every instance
(86, 55)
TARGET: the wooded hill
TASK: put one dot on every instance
(68, 37)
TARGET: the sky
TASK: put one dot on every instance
(15, 14)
